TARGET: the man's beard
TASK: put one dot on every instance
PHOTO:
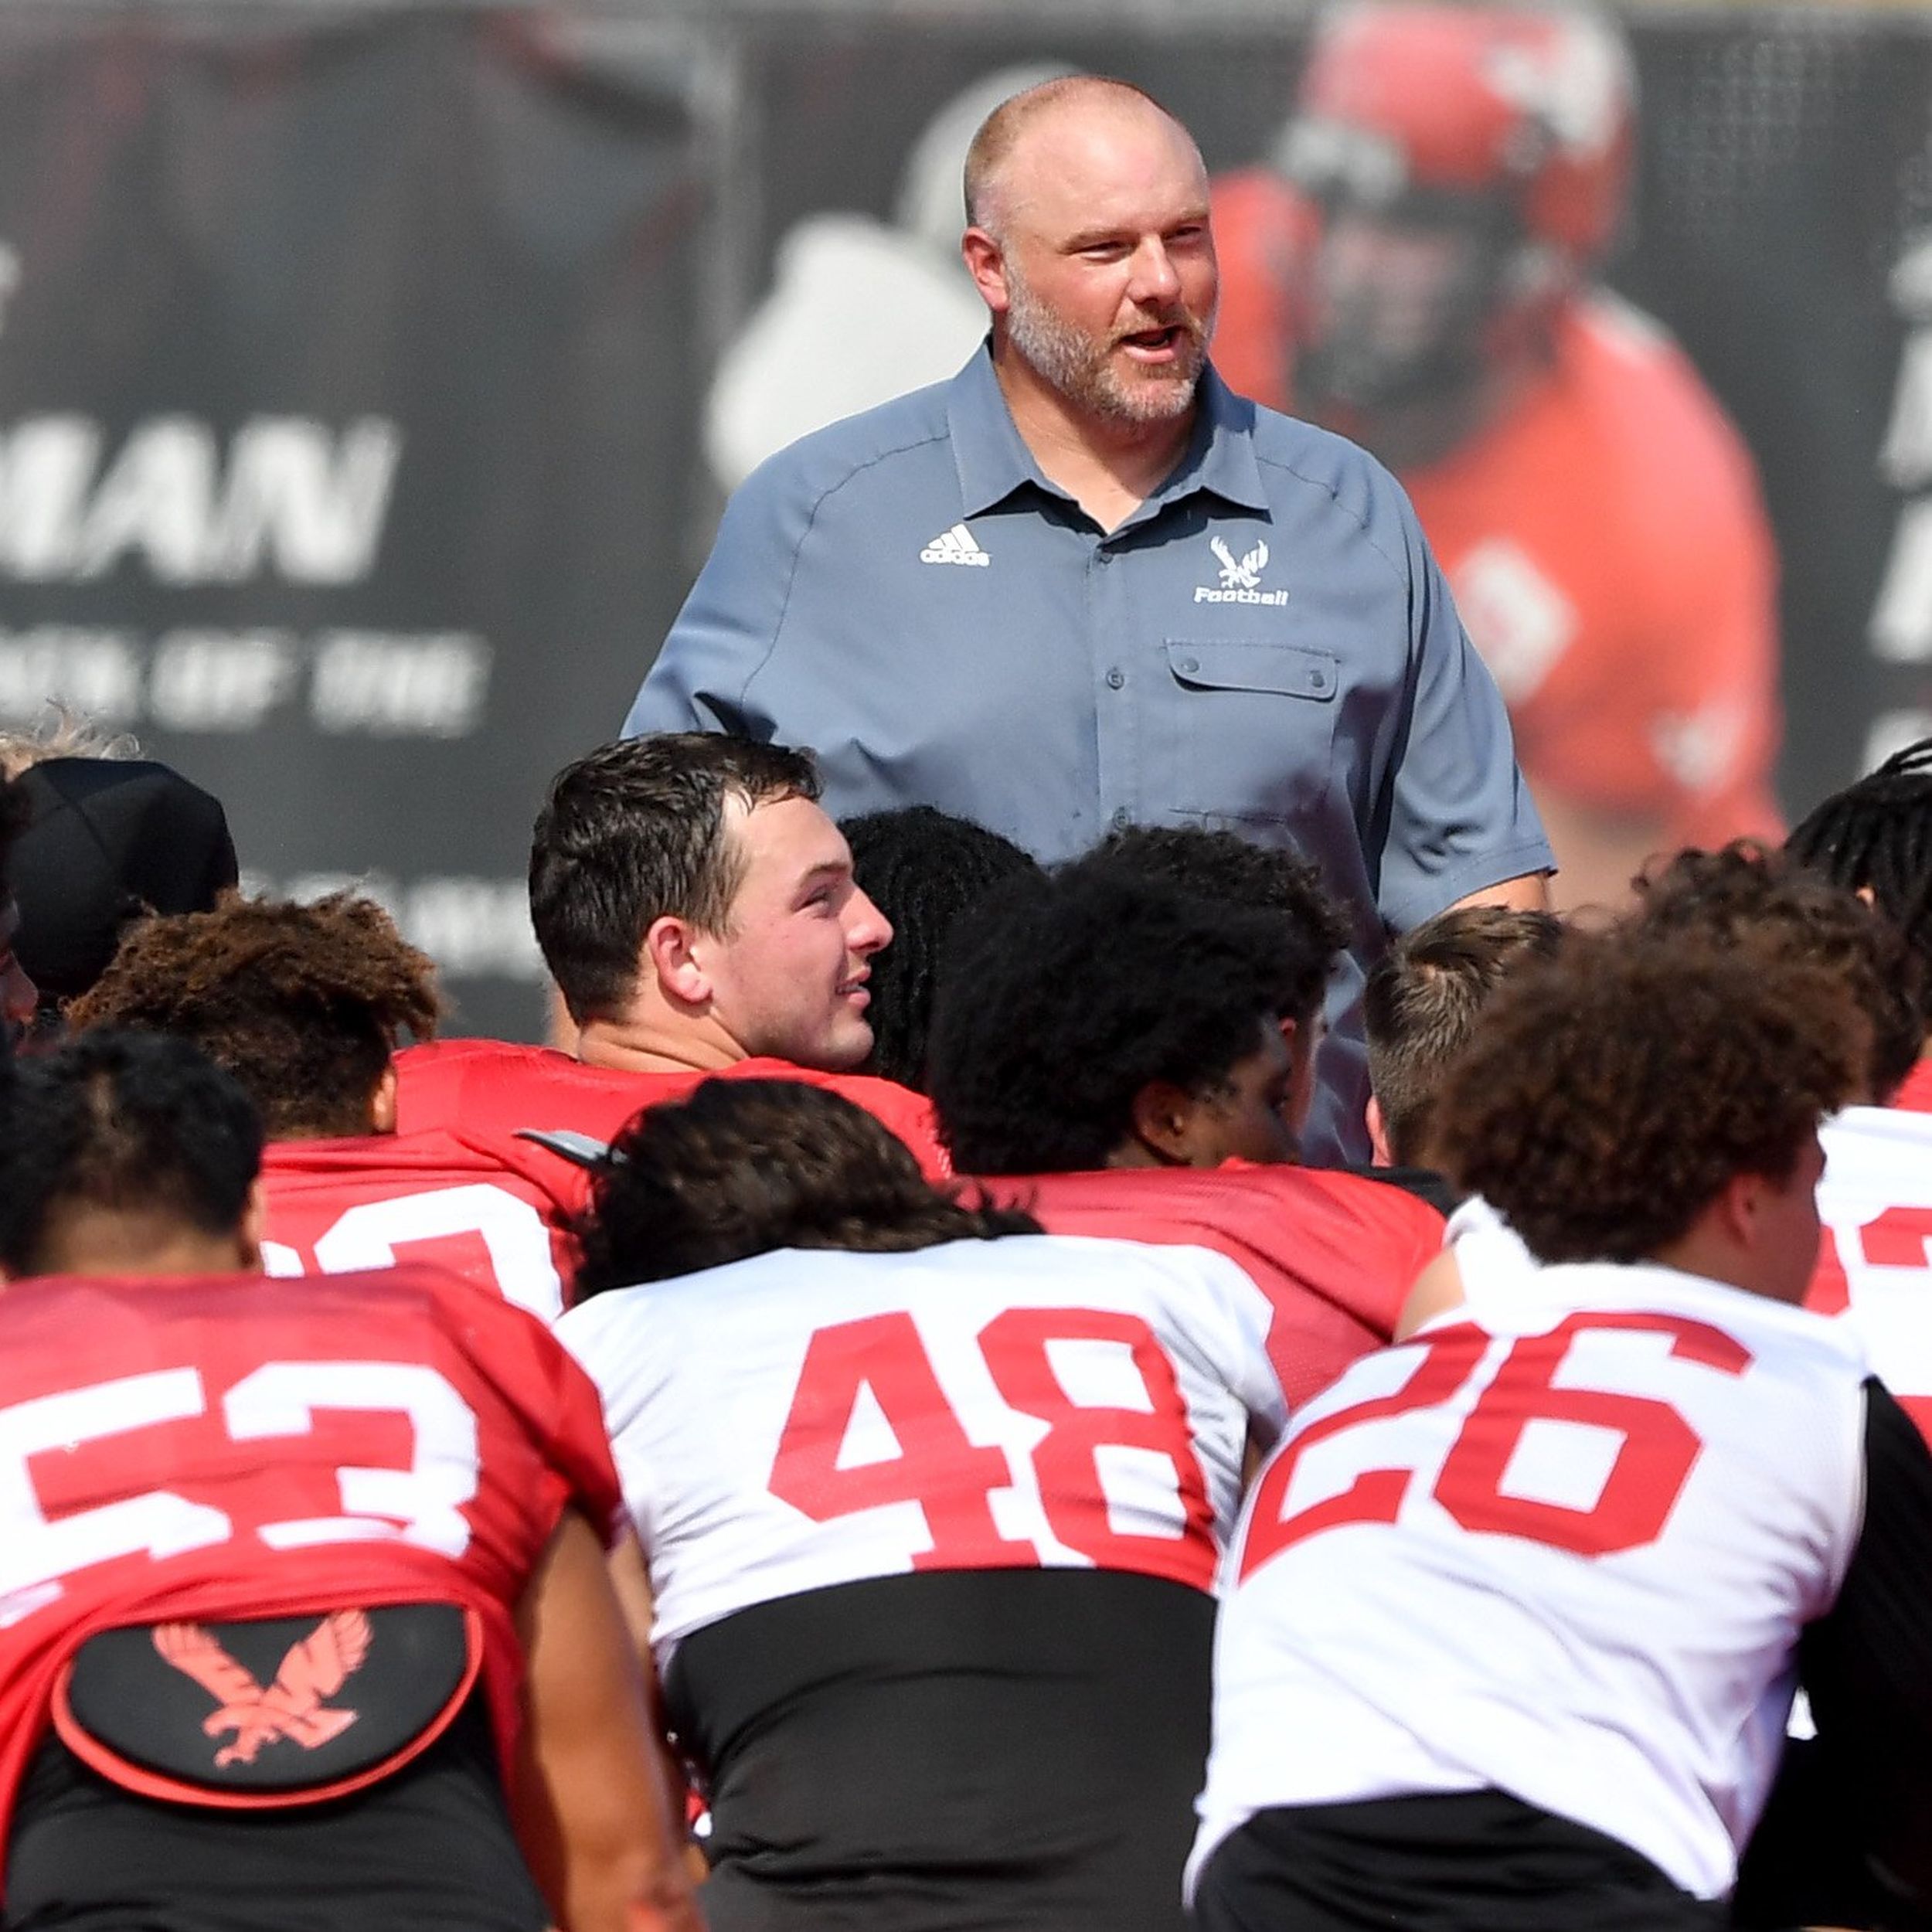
(1082, 368)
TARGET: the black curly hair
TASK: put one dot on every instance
(744, 1166)
(121, 1123)
(1214, 863)
(924, 869)
(1612, 1092)
(1875, 837)
(1066, 998)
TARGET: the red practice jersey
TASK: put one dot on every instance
(1604, 538)
(336, 1206)
(237, 1446)
(1334, 1254)
(489, 1093)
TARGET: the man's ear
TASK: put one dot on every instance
(1162, 1115)
(986, 262)
(1738, 1205)
(248, 1229)
(669, 956)
(1378, 1134)
(382, 1103)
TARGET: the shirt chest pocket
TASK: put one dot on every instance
(1254, 726)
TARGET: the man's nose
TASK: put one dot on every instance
(868, 930)
(1154, 278)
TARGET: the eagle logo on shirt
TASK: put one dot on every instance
(1246, 574)
(292, 1706)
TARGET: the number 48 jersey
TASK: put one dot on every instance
(803, 1420)
(1563, 1549)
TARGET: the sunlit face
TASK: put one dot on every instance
(1108, 281)
(1256, 1114)
(18, 995)
(787, 979)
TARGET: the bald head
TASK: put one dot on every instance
(1009, 129)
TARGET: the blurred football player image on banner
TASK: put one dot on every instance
(872, 308)
(1414, 270)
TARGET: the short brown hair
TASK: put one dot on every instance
(1610, 1095)
(745, 1166)
(633, 832)
(302, 1004)
(1424, 999)
(1743, 893)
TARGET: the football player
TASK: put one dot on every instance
(1104, 1042)
(1516, 1608)
(304, 1005)
(1415, 270)
(699, 914)
(305, 1619)
(1743, 896)
(933, 1506)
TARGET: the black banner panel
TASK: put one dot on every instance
(370, 378)
(347, 379)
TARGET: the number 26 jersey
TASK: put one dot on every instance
(1562, 1546)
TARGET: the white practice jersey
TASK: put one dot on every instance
(805, 1419)
(1875, 1266)
(1563, 1548)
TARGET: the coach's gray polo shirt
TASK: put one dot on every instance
(1267, 643)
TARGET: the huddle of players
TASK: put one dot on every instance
(932, 1485)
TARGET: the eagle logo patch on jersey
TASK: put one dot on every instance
(291, 1708)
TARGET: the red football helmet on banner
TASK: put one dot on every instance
(1504, 134)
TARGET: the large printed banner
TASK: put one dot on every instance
(370, 377)
(348, 380)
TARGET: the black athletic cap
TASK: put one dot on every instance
(111, 838)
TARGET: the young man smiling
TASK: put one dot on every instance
(698, 912)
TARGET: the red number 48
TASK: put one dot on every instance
(1653, 1460)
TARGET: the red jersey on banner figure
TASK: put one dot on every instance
(1413, 269)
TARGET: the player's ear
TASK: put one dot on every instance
(382, 1103)
(249, 1228)
(1162, 1115)
(1378, 1134)
(670, 958)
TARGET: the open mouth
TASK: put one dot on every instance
(1155, 344)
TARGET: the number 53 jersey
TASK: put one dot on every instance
(1563, 1549)
(236, 1447)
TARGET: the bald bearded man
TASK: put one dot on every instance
(1083, 584)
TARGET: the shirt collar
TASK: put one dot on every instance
(993, 461)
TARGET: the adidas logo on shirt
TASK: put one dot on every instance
(955, 545)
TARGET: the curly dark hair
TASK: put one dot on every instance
(1611, 1094)
(924, 869)
(634, 832)
(1875, 837)
(1214, 863)
(302, 1004)
(1063, 999)
(121, 1123)
(1423, 1000)
(1745, 894)
(743, 1166)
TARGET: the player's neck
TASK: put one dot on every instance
(1109, 468)
(111, 1244)
(1411, 436)
(648, 1042)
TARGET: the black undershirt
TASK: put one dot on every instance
(952, 1750)
(429, 1849)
